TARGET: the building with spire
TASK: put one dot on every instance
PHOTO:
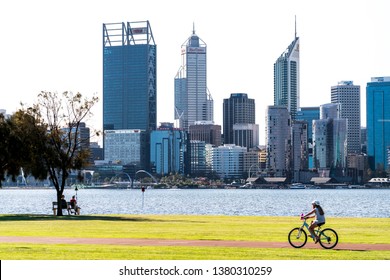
(286, 78)
(193, 102)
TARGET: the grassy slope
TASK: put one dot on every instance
(350, 230)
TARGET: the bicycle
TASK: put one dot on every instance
(297, 237)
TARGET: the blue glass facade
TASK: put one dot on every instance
(167, 151)
(286, 79)
(129, 77)
(378, 121)
(309, 114)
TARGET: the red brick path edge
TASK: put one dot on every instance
(198, 243)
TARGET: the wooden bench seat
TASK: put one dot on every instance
(68, 208)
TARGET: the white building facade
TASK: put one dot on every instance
(123, 146)
(228, 161)
(192, 99)
(348, 96)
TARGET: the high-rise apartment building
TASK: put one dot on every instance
(378, 122)
(228, 161)
(330, 139)
(126, 146)
(278, 138)
(193, 102)
(208, 132)
(309, 114)
(246, 135)
(299, 149)
(238, 109)
(129, 76)
(286, 78)
(348, 96)
(200, 158)
(168, 147)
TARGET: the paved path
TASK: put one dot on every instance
(166, 242)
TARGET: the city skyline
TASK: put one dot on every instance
(62, 49)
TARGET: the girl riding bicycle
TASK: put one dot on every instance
(319, 215)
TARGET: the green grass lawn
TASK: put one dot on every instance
(350, 230)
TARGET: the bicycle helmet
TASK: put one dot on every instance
(316, 202)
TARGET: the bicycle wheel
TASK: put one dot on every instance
(297, 238)
(328, 238)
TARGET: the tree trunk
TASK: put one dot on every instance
(59, 208)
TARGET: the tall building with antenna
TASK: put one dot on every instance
(286, 78)
(129, 76)
(193, 102)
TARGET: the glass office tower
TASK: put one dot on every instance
(238, 109)
(286, 78)
(309, 114)
(378, 122)
(168, 150)
(330, 139)
(348, 96)
(193, 102)
(129, 76)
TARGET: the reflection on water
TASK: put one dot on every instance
(248, 202)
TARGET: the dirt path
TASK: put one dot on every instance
(165, 242)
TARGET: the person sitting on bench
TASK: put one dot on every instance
(73, 205)
(64, 204)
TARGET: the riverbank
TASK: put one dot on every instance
(240, 202)
(246, 186)
(181, 237)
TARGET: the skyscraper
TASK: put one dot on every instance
(129, 76)
(168, 149)
(348, 96)
(278, 138)
(299, 149)
(330, 139)
(228, 161)
(208, 132)
(286, 78)
(126, 146)
(309, 114)
(378, 122)
(238, 109)
(192, 99)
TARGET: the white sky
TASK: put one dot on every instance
(57, 46)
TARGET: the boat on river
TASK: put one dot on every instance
(297, 186)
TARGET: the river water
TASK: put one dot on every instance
(231, 202)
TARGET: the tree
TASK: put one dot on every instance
(7, 165)
(14, 146)
(57, 149)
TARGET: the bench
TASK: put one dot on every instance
(68, 208)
